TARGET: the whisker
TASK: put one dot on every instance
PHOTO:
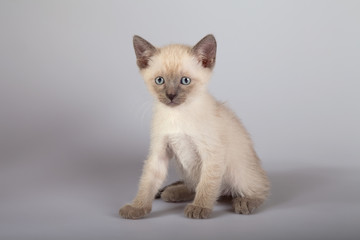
(144, 110)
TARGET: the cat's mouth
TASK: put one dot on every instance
(171, 103)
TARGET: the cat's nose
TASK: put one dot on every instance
(170, 96)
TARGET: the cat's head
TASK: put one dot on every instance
(175, 73)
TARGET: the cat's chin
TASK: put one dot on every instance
(169, 103)
(172, 104)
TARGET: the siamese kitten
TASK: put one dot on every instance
(208, 142)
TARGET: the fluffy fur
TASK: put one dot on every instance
(212, 149)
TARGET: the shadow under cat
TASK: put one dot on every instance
(289, 188)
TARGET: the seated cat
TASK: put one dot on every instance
(212, 149)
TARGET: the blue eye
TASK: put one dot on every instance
(185, 81)
(159, 80)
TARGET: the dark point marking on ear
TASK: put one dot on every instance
(143, 51)
(205, 51)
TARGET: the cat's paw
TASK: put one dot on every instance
(130, 212)
(178, 193)
(246, 206)
(193, 211)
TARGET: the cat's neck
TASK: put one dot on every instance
(185, 118)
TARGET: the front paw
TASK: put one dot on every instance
(130, 212)
(196, 212)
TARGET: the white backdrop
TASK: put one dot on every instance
(75, 114)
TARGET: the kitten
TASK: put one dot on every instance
(208, 142)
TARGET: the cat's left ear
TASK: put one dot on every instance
(205, 51)
(143, 50)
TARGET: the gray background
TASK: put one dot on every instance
(75, 115)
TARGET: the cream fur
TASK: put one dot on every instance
(212, 149)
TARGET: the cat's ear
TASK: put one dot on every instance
(143, 50)
(205, 51)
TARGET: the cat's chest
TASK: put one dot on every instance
(177, 125)
(185, 152)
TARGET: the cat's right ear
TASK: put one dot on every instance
(143, 50)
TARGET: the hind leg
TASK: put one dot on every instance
(252, 188)
(245, 205)
(161, 190)
(250, 197)
(176, 192)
